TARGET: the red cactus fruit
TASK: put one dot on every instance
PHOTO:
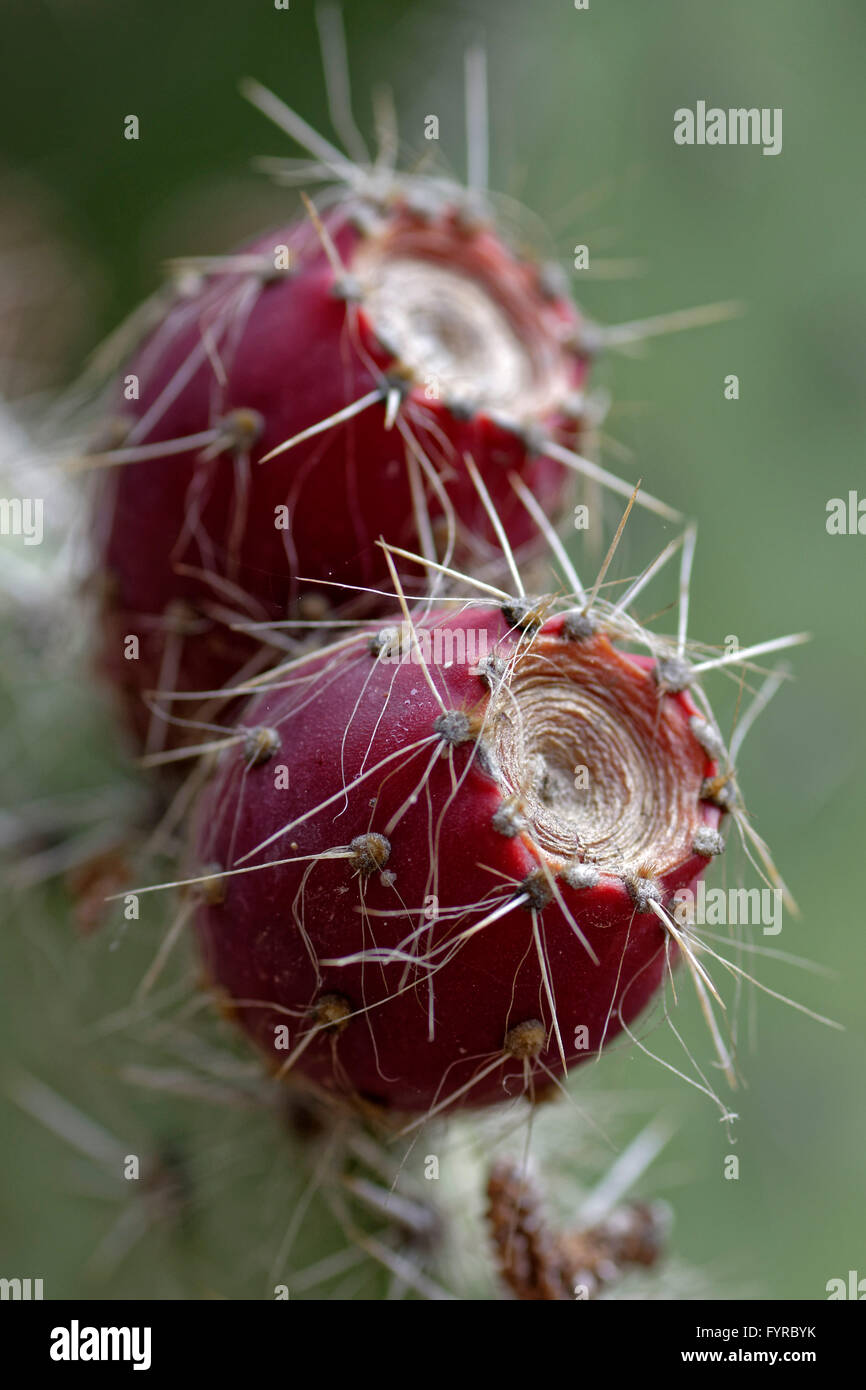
(437, 870)
(384, 345)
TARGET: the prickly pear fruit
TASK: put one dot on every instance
(438, 869)
(388, 343)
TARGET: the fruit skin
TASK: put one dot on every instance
(295, 347)
(352, 712)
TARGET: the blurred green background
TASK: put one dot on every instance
(582, 109)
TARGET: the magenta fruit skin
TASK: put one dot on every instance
(350, 713)
(189, 541)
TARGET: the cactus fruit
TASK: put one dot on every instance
(394, 341)
(475, 824)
